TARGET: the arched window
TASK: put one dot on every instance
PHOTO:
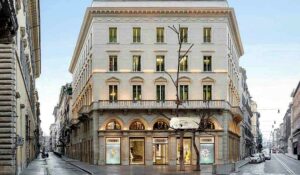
(207, 124)
(160, 125)
(137, 125)
(113, 125)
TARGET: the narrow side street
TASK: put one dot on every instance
(279, 164)
(51, 166)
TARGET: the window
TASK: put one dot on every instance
(184, 34)
(113, 125)
(207, 63)
(160, 125)
(137, 125)
(160, 92)
(113, 92)
(136, 63)
(136, 34)
(160, 35)
(112, 34)
(207, 35)
(183, 64)
(160, 63)
(113, 63)
(207, 124)
(136, 92)
(184, 92)
(207, 92)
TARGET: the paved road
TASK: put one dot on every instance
(51, 166)
(279, 164)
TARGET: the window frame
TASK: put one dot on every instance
(185, 67)
(136, 92)
(206, 89)
(160, 67)
(207, 67)
(111, 37)
(136, 67)
(160, 92)
(160, 38)
(114, 66)
(114, 88)
(207, 38)
(183, 88)
(181, 34)
(136, 34)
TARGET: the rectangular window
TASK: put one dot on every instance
(137, 92)
(136, 34)
(136, 63)
(207, 63)
(113, 92)
(160, 92)
(113, 151)
(136, 151)
(113, 63)
(187, 150)
(160, 63)
(184, 92)
(112, 34)
(183, 64)
(184, 34)
(160, 36)
(207, 94)
(207, 35)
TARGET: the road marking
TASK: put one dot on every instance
(285, 166)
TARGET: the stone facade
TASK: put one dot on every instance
(257, 136)
(111, 124)
(246, 141)
(19, 67)
(295, 121)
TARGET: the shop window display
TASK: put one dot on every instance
(137, 150)
(187, 151)
(113, 125)
(137, 125)
(113, 151)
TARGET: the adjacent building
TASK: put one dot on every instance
(295, 122)
(62, 115)
(123, 100)
(257, 136)
(20, 65)
(247, 145)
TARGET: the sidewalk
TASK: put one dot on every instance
(36, 167)
(291, 156)
(137, 169)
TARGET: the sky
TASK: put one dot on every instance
(270, 34)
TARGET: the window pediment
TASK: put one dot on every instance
(113, 80)
(160, 80)
(207, 80)
(185, 79)
(137, 80)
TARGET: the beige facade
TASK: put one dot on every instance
(19, 66)
(121, 115)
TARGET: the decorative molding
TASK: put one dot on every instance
(137, 79)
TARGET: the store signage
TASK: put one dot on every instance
(160, 140)
(113, 151)
(207, 153)
(206, 140)
(185, 122)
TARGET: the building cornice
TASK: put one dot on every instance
(155, 12)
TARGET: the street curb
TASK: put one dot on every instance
(83, 169)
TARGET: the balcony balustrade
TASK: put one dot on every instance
(159, 105)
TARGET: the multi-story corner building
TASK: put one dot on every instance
(122, 98)
(295, 121)
(246, 140)
(281, 137)
(62, 114)
(255, 126)
(20, 65)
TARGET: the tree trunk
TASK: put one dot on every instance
(181, 159)
(197, 153)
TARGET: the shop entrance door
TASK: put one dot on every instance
(160, 154)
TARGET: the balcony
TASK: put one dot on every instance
(159, 105)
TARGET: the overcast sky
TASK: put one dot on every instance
(269, 31)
